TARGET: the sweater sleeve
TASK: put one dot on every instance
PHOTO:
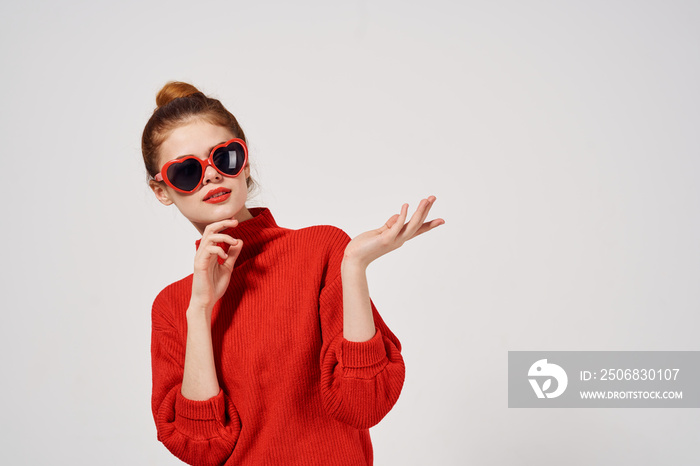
(360, 381)
(197, 432)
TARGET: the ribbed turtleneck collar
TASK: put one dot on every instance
(251, 228)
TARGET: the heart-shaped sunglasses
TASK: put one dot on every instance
(186, 174)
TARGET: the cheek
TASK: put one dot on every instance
(242, 182)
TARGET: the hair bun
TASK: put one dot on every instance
(174, 90)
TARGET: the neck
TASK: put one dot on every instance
(243, 215)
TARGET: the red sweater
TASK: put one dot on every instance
(293, 390)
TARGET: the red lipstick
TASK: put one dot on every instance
(217, 195)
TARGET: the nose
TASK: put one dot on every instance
(210, 175)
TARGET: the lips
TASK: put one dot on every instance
(217, 195)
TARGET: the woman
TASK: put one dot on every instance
(271, 352)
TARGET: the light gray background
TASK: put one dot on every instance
(560, 138)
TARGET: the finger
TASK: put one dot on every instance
(389, 223)
(420, 215)
(416, 219)
(400, 221)
(428, 226)
(236, 248)
(219, 238)
(233, 253)
(429, 205)
(217, 251)
(220, 225)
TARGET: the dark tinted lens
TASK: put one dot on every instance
(229, 159)
(185, 175)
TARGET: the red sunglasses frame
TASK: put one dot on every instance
(163, 174)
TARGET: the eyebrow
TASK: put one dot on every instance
(192, 155)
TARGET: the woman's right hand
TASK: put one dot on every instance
(210, 278)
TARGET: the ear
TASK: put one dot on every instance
(246, 172)
(161, 192)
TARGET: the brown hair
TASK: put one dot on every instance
(180, 103)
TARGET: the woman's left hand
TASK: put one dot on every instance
(368, 246)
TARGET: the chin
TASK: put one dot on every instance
(228, 210)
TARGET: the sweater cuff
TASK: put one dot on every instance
(363, 354)
(213, 409)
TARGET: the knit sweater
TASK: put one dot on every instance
(294, 391)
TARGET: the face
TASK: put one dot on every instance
(198, 138)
